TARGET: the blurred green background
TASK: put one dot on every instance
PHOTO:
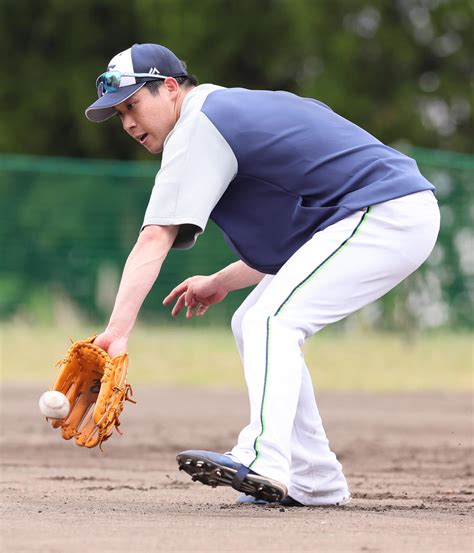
(74, 193)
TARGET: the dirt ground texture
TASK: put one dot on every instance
(408, 459)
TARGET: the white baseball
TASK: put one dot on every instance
(54, 405)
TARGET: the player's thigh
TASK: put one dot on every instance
(349, 265)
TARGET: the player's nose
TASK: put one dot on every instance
(128, 123)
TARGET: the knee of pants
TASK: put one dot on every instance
(257, 320)
(253, 319)
(236, 323)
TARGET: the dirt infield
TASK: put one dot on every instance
(408, 459)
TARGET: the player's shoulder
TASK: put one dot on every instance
(252, 103)
(213, 100)
(195, 98)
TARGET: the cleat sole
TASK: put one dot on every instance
(213, 474)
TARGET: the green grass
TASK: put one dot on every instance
(180, 356)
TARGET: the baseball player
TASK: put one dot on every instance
(323, 217)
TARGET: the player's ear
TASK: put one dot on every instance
(171, 85)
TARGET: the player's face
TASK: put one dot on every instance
(150, 118)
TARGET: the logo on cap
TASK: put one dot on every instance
(154, 71)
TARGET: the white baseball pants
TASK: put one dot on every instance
(341, 269)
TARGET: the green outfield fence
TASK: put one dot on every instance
(68, 225)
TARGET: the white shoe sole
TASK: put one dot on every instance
(244, 499)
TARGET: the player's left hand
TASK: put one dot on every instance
(111, 344)
(96, 386)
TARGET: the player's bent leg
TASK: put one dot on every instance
(273, 368)
(341, 269)
(334, 491)
(316, 476)
(273, 360)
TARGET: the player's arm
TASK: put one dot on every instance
(140, 272)
(199, 292)
(197, 166)
(237, 275)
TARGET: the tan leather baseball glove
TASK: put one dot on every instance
(96, 386)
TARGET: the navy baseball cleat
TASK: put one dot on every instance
(215, 469)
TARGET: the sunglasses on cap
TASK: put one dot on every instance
(110, 80)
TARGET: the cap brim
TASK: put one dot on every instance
(103, 108)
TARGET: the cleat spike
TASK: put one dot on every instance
(199, 464)
(188, 462)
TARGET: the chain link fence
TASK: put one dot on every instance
(69, 224)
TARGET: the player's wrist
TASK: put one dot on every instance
(117, 331)
(221, 280)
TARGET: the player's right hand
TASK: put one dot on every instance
(196, 293)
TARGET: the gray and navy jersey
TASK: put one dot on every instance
(270, 169)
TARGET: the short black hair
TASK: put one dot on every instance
(190, 80)
(154, 85)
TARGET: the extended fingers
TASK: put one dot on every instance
(190, 310)
(202, 309)
(185, 296)
(191, 306)
(197, 309)
(189, 297)
(178, 305)
(176, 292)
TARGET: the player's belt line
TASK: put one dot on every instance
(279, 310)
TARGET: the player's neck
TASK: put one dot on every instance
(183, 92)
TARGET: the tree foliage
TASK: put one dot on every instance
(399, 68)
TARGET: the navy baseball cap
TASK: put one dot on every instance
(127, 72)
